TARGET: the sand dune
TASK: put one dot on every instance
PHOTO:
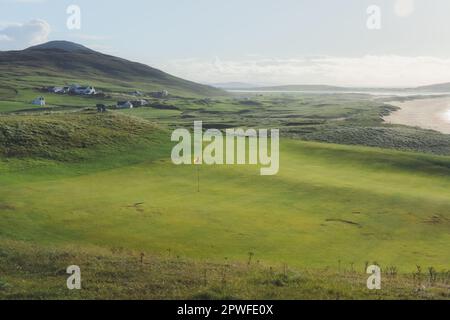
(432, 113)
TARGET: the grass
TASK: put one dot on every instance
(397, 204)
(61, 135)
(33, 272)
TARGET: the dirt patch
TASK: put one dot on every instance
(436, 219)
(345, 221)
(5, 206)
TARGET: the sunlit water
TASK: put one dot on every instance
(447, 115)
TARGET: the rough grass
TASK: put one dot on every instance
(32, 272)
(59, 136)
(398, 137)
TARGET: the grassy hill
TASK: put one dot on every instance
(67, 62)
(105, 184)
(65, 136)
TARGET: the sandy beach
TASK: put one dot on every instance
(432, 113)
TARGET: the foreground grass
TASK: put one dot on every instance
(31, 272)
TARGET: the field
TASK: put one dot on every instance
(100, 191)
(331, 207)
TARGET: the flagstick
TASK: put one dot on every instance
(197, 163)
(198, 178)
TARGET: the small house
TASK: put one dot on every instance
(39, 101)
(56, 90)
(73, 88)
(124, 105)
(139, 103)
(161, 94)
(85, 90)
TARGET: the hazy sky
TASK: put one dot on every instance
(255, 41)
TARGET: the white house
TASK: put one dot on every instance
(139, 103)
(124, 105)
(77, 89)
(73, 88)
(57, 90)
(39, 101)
(85, 90)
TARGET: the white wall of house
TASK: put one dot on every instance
(40, 101)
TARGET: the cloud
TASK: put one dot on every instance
(4, 38)
(368, 71)
(404, 8)
(20, 35)
(24, 1)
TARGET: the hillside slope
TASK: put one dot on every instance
(73, 60)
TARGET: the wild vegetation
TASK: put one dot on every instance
(34, 272)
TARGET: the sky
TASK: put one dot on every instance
(367, 43)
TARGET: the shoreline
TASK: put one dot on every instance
(430, 113)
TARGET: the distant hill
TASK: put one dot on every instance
(436, 88)
(440, 87)
(299, 88)
(233, 85)
(63, 58)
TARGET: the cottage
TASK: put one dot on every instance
(73, 88)
(139, 103)
(124, 105)
(77, 89)
(56, 89)
(161, 94)
(39, 101)
(85, 90)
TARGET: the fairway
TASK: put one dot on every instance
(329, 205)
